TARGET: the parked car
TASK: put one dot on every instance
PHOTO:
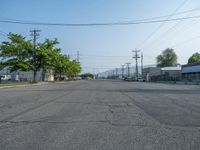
(140, 79)
(5, 77)
(78, 78)
(128, 79)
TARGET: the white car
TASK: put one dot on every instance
(5, 77)
(140, 79)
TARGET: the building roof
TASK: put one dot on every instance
(177, 68)
(191, 69)
(193, 64)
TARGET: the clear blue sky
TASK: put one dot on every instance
(110, 46)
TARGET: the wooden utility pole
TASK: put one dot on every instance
(35, 34)
(123, 71)
(136, 57)
(128, 66)
(142, 64)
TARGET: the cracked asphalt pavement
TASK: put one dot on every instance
(100, 115)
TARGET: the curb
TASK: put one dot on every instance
(36, 84)
(13, 86)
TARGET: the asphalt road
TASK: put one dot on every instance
(100, 115)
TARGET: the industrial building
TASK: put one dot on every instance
(162, 74)
(191, 72)
(27, 76)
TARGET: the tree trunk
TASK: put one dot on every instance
(43, 74)
(34, 76)
(60, 75)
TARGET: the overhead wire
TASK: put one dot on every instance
(163, 35)
(138, 20)
(99, 24)
(161, 25)
(186, 41)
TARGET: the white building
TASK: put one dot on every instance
(28, 75)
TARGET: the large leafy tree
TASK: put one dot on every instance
(167, 58)
(18, 53)
(46, 54)
(195, 58)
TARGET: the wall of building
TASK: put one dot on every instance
(27, 76)
(162, 74)
(191, 72)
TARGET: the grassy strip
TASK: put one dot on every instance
(14, 84)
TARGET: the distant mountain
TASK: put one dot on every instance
(119, 71)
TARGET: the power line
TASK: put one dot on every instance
(161, 25)
(187, 41)
(138, 20)
(113, 56)
(99, 24)
(187, 29)
(99, 67)
(165, 33)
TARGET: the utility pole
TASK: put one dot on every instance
(128, 66)
(116, 73)
(123, 71)
(113, 74)
(136, 57)
(94, 74)
(78, 57)
(142, 64)
(35, 34)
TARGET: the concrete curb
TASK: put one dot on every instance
(15, 86)
(35, 84)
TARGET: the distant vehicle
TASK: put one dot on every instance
(128, 79)
(5, 77)
(78, 78)
(140, 79)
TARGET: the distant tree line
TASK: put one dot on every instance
(87, 76)
(18, 54)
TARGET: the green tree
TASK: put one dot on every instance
(1, 65)
(195, 58)
(15, 52)
(46, 54)
(74, 69)
(60, 65)
(87, 75)
(18, 53)
(167, 58)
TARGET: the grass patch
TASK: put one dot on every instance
(15, 84)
